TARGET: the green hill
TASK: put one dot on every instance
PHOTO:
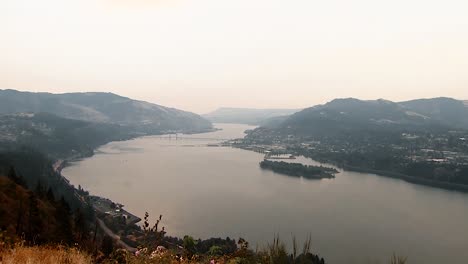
(55, 136)
(141, 116)
(353, 115)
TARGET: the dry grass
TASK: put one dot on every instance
(275, 253)
(398, 259)
(43, 255)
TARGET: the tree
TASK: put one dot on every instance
(243, 244)
(40, 191)
(189, 244)
(215, 251)
(107, 246)
(16, 178)
(34, 220)
(19, 219)
(62, 217)
(80, 225)
(50, 195)
(153, 234)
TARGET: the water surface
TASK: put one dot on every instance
(219, 191)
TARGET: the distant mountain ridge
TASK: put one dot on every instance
(350, 114)
(249, 116)
(103, 108)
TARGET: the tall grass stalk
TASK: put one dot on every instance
(398, 260)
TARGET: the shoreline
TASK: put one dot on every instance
(96, 201)
(389, 174)
(396, 175)
(410, 179)
(60, 164)
(65, 161)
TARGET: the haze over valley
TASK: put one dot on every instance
(419, 146)
(233, 132)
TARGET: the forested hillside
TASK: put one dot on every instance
(57, 137)
(142, 117)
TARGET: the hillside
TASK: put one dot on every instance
(35, 169)
(37, 204)
(37, 217)
(104, 108)
(55, 136)
(353, 115)
(447, 111)
(246, 115)
(421, 141)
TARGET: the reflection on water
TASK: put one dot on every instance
(219, 191)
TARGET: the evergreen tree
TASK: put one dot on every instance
(50, 196)
(33, 233)
(40, 191)
(19, 219)
(16, 178)
(80, 225)
(107, 246)
(64, 232)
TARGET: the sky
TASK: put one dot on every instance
(198, 55)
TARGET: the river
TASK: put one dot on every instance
(207, 192)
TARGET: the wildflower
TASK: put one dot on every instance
(161, 249)
(154, 254)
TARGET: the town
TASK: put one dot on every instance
(440, 156)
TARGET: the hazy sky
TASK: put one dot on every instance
(201, 54)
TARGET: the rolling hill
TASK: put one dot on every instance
(350, 115)
(57, 137)
(447, 111)
(142, 116)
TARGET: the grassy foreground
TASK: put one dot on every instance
(274, 254)
(44, 255)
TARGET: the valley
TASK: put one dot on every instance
(235, 198)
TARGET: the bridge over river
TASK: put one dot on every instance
(187, 137)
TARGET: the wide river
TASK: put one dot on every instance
(220, 191)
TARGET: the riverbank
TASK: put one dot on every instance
(390, 174)
(395, 175)
(114, 221)
(415, 180)
(80, 155)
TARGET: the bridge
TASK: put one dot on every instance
(186, 137)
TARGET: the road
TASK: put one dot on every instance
(111, 234)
